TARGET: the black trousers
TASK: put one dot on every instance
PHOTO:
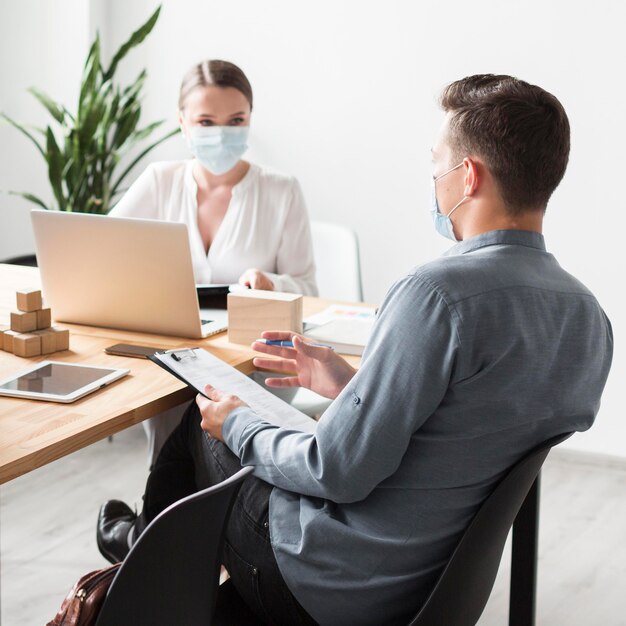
(189, 461)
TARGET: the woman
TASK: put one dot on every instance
(246, 224)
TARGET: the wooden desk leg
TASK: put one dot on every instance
(523, 598)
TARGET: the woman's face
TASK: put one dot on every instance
(214, 106)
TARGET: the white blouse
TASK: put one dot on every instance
(266, 225)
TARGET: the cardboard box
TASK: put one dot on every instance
(253, 311)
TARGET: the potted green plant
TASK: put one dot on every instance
(85, 153)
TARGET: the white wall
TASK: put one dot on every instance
(42, 44)
(346, 100)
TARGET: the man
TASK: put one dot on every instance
(475, 359)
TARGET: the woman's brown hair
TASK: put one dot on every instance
(217, 73)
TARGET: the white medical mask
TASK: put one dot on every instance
(218, 148)
(443, 223)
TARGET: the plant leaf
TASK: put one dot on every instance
(55, 167)
(53, 108)
(31, 198)
(138, 136)
(126, 125)
(90, 77)
(139, 157)
(23, 130)
(135, 39)
(94, 115)
(132, 91)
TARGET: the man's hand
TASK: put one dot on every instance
(316, 368)
(216, 409)
(256, 279)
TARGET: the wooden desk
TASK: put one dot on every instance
(33, 433)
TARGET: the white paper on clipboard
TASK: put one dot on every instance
(197, 368)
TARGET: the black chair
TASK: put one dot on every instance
(171, 574)
(29, 260)
(463, 588)
(162, 583)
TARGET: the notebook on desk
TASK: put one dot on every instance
(120, 272)
(346, 329)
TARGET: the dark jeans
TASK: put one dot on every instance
(190, 460)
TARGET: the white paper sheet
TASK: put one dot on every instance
(208, 369)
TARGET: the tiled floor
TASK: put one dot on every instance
(47, 525)
(48, 521)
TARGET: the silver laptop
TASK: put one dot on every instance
(119, 272)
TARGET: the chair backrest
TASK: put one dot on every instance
(27, 259)
(464, 586)
(171, 574)
(336, 251)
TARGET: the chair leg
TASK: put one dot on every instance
(523, 595)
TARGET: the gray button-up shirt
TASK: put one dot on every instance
(475, 358)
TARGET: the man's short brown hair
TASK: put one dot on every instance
(520, 131)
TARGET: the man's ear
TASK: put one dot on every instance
(472, 177)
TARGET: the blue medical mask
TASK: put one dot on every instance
(218, 148)
(443, 223)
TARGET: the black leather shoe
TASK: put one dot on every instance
(114, 523)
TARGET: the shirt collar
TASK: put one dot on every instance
(240, 187)
(527, 238)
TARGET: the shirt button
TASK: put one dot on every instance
(356, 400)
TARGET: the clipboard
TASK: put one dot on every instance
(175, 354)
(197, 367)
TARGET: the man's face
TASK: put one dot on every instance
(449, 188)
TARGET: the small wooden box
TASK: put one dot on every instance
(44, 319)
(23, 322)
(62, 337)
(2, 331)
(253, 311)
(26, 345)
(7, 340)
(29, 300)
(48, 340)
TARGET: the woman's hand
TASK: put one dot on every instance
(215, 410)
(256, 279)
(316, 368)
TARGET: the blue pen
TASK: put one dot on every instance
(289, 344)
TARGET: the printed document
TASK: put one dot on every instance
(197, 368)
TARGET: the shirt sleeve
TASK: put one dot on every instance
(294, 261)
(141, 199)
(361, 438)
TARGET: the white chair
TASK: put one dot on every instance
(336, 250)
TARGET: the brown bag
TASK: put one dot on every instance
(83, 602)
